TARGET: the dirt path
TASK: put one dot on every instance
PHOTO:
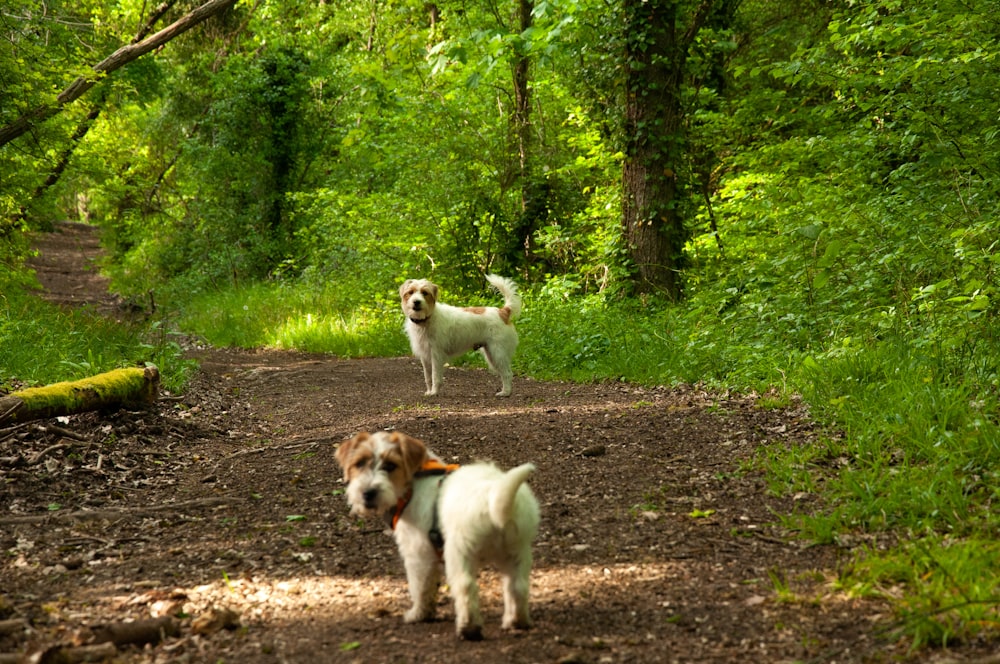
(658, 544)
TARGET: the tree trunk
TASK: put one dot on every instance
(116, 60)
(115, 389)
(655, 62)
(534, 193)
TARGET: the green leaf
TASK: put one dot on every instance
(831, 253)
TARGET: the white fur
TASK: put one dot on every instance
(438, 331)
(484, 514)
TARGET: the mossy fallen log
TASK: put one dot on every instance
(122, 388)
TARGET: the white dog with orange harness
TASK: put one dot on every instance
(464, 516)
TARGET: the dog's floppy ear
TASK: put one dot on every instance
(414, 451)
(346, 448)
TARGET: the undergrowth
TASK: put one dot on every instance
(41, 344)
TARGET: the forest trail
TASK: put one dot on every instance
(658, 542)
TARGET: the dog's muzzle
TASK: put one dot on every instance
(371, 498)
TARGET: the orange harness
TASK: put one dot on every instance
(429, 468)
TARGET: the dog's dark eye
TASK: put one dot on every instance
(388, 466)
(361, 463)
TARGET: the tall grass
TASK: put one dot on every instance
(279, 315)
(40, 343)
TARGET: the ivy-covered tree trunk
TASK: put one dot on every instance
(655, 60)
(534, 193)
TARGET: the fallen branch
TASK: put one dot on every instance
(48, 450)
(64, 654)
(115, 389)
(139, 632)
(110, 515)
(13, 626)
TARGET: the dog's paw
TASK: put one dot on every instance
(418, 614)
(503, 393)
(471, 633)
(523, 623)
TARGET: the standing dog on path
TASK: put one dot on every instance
(439, 331)
(464, 516)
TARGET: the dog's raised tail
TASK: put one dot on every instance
(507, 288)
(504, 493)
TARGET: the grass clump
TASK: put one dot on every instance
(277, 315)
(41, 343)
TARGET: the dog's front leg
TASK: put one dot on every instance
(461, 575)
(423, 573)
(430, 382)
(437, 374)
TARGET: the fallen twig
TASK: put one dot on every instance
(139, 632)
(36, 458)
(13, 626)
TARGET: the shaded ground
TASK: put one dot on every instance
(658, 543)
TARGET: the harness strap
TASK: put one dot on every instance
(430, 468)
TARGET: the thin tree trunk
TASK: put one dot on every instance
(534, 204)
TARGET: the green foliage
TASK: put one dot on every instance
(945, 590)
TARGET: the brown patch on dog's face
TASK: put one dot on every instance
(353, 455)
(412, 451)
(418, 297)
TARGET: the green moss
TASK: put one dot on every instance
(121, 386)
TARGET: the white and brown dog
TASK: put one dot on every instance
(439, 331)
(464, 516)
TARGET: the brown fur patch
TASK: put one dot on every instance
(504, 314)
(479, 311)
(413, 452)
(347, 449)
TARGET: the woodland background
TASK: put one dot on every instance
(794, 197)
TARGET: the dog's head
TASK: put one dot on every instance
(379, 468)
(418, 297)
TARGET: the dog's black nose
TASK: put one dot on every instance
(417, 304)
(370, 495)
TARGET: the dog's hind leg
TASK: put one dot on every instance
(516, 584)
(461, 575)
(500, 364)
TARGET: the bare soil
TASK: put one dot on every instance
(660, 540)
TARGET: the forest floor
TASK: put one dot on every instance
(224, 507)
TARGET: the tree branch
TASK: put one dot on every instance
(116, 60)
